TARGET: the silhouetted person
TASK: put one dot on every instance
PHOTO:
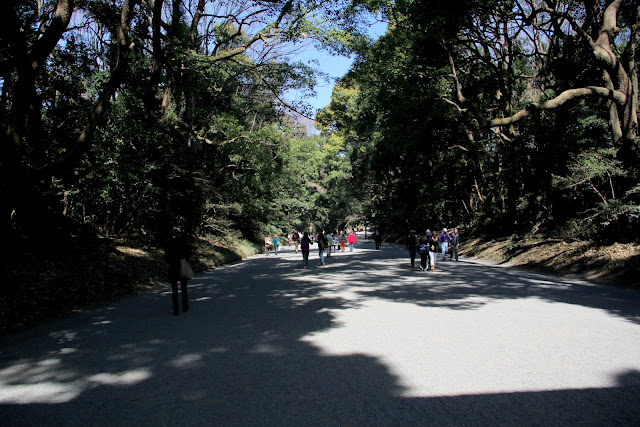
(423, 245)
(377, 237)
(455, 244)
(412, 245)
(176, 250)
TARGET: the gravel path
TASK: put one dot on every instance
(365, 340)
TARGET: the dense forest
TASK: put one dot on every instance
(143, 118)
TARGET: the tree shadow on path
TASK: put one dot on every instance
(240, 356)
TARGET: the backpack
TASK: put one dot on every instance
(304, 244)
(424, 248)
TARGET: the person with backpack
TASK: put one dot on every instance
(423, 249)
(322, 243)
(295, 238)
(330, 239)
(305, 244)
(268, 244)
(276, 243)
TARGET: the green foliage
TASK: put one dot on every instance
(593, 177)
(194, 135)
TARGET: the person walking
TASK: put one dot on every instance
(329, 237)
(445, 238)
(423, 249)
(276, 243)
(377, 237)
(268, 245)
(295, 238)
(434, 247)
(322, 243)
(342, 240)
(177, 254)
(455, 242)
(352, 240)
(305, 244)
(411, 246)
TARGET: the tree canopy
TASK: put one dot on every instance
(149, 117)
(493, 113)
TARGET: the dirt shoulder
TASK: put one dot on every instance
(617, 264)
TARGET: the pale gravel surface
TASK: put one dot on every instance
(363, 341)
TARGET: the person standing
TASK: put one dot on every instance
(445, 238)
(378, 239)
(351, 240)
(295, 238)
(177, 252)
(455, 242)
(305, 244)
(411, 246)
(276, 243)
(342, 240)
(434, 247)
(423, 249)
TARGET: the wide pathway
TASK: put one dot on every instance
(365, 340)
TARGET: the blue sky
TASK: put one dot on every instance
(334, 66)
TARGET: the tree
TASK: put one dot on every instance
(123, 117)
(31, 35)
(458, 81)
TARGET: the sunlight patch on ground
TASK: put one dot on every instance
(44, 392)
(43, 383)
(132, 252)
(186, 361)
(521, 356)
(131, 377)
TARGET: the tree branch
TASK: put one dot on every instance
(117, 75)
(564, 97)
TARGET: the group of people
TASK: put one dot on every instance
(329, 242)
(430, 244)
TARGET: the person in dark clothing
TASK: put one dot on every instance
(434, 247)
(322, 243)
(455, 242)
(176, 250)
(377, 237)
(305, 243)
(411, 246)
(423, 248)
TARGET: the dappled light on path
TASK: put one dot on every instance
(362, 340)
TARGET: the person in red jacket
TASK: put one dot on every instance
(351, 239)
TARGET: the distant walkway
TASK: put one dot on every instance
(364, 340)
